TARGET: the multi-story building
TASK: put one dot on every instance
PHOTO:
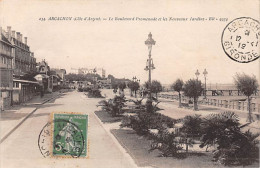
(23, 63)
(6, 70)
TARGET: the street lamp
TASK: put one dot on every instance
(205, 73)
(197, 74)
(134, 78)
(149, 63)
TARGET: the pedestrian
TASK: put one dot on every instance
(42, 92)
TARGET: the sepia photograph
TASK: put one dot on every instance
(129, 83)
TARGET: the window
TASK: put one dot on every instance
(4, 60)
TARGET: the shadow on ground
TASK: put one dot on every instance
(106, 117)
(12, 116)
(39, 115)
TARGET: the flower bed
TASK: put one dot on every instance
(177, 138)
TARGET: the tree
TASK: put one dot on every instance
(156, 87)
(193, 89)
(114, 87)
(130, 86)
(122, 86)
(134, 86)
(178, 86)
(248, 86)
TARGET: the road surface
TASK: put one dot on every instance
(20, 149)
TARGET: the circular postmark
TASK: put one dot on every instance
(44, 140)
(240, 39)
(65, 139)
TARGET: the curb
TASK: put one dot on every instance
(126, 154)
(26, 117)
(20, 123)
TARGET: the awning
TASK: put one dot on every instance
(25, 81)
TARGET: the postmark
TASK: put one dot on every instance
(44, 140)
(241, 39)
(65, 136)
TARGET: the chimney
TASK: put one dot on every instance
(32, 54)
(18, 36)
(13, 34)
(21, 38)
(8, 32)
(25, 40)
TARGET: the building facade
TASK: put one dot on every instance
(6, 70)
(44, 76)
(24, 60)
(60, 73)
(23, 64)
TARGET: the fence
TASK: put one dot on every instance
(229, 104)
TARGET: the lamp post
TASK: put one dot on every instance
(197, 74)
(149, 63)
(205, 73)
(134, 78)
(95, 77)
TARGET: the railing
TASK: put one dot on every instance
(229, 104)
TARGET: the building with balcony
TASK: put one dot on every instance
(24, 60)
(23, 65)
(6, 70)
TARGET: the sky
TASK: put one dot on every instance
(181, 47)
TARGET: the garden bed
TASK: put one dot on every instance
(106, 118)
(138, 147)
(155, 140)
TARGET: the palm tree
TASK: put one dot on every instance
(190, 129)
(233, 146)
(214, 128)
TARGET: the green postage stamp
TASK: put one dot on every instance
(69, 135)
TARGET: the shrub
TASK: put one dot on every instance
(242, 149)
(167, 143)
(234, 147)
(96, 93)
(87, 89)
(143, 121)
(114, 106)
(214, 127)
(190, 129)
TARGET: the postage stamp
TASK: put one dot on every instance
(240, 39)
(65, 136)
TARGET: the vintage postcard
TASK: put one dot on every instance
(129, 83)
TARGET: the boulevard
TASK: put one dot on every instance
(21, 149)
